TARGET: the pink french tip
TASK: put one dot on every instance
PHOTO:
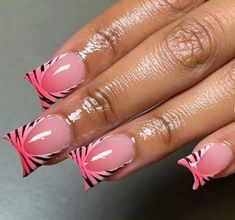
(204, 163)
(181, 162)
(6, 137)
(26, 77)
(39, 141)
(57, 78)
(184, 163)
(102, 158)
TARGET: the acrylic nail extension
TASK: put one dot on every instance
(102, 158)
(57, 78)
(39, 141)
(207, 162)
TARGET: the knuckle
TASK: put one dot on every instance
(107, 38)
(177, 6)
(191, 43)
(165, 127)
(102, 103)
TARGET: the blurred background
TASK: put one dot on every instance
(30, 31)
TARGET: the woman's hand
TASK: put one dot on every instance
(148, 76)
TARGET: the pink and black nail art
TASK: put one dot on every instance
(29, 162)
(36, 78)
(191, 162)
(91, 177)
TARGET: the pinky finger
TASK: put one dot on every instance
(213, 157)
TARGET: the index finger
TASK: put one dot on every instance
(101, 43)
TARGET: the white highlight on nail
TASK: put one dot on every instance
(40, 136)
(62, 68)
(102, 155)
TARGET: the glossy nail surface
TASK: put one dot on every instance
(207, 162)
(103, 157)
(39, 141)
(57, 78)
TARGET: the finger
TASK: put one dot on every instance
(213, 157)
(206, 107)
(101, 43)
(102, 104)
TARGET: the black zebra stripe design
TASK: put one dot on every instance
(91, 178)
(35, 78)
(191, 163)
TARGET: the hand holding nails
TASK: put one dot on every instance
(124, 92)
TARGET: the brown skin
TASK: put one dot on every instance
(121, 28)
(180, 63)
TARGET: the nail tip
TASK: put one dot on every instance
(86, 188)
(17, 137)
(87, 182)
(182, 162)
(35, 78)
(27, 172)
(26, 77)
(6, 137)
(30, 78)
(25, 175)
(195, 186)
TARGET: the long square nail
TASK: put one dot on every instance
(39, 141)
(103, 157)
(57, 78)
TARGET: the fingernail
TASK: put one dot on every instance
(207, 162)
(57, 78)
(39, 141)
(102, 158)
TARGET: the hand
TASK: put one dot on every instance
(145, 78)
